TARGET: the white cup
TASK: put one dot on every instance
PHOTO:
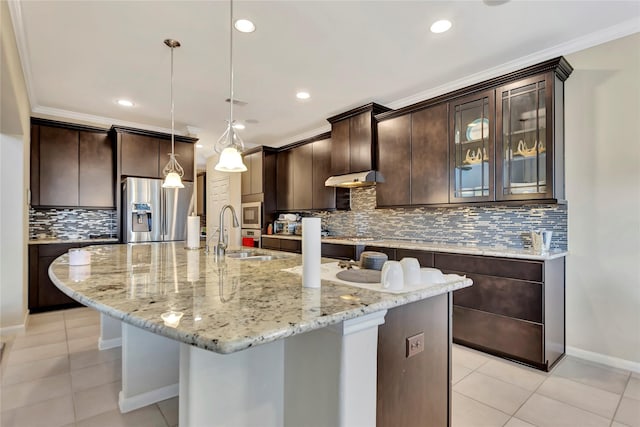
(391, 276)
(432, 276)
(410, 271)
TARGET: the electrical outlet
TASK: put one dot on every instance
(415, 344)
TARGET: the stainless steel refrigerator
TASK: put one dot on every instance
(155, 214)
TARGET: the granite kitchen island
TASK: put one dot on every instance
(251, 347)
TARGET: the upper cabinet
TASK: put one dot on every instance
(258, 182)
(472, 120)
(530, 144)
(302, 169)
(354, 136)
(497, 141)
(251, 182)
(71, 166)
(413, 158)
(145, 154)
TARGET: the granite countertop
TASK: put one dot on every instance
(53, 240)
(228, 306)
(438, 247)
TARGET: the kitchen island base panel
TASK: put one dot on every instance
(150, 368)
(320, 378)
(110, 333)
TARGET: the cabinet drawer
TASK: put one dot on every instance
(271, 243)
(332, 250)
(499, 295)
(424, 258)
(55, 250)
(516, 269)
(291, 245)
(493, 333)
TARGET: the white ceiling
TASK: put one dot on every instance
(80, 56)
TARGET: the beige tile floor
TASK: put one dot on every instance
(54, 376)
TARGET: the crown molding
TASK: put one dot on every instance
(623, 29)
(97, 120)
(15, 12)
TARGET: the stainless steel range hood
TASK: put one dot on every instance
(360, 179)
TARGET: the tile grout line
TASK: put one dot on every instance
(620, 400)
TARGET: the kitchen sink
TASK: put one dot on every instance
(255, 255)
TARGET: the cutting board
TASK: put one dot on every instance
(359, 276)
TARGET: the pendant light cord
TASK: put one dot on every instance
(231, 71)
(172, 118)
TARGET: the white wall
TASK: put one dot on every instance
(602, 111)
(14, 173)
(213, 209)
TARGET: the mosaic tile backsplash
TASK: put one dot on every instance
(72, 223)
(494, 226)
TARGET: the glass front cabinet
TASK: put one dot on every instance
(472, 148)
(530, 139)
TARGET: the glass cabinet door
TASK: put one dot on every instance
(472, 148)
(523, 145)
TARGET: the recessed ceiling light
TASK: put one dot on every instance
(303, 95)
(199, 145)
(440, 26)
(238, 126)
(244, 26)
(125, 103)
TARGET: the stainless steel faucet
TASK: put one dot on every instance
(221, 249)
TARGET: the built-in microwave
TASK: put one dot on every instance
(252, 215)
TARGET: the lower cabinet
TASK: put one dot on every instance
(43, 294)
(515, 308)
(415, 391)
(277, 244)
(338, 251)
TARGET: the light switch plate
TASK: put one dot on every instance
(415, 344)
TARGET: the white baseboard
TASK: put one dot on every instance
(15, 329)
(128, 404)
(107, 344)
(603, 359)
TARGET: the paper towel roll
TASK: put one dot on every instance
(311, 252)
(193, 266)
(193, 232)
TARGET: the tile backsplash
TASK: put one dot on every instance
(494, 226)
(72, 223)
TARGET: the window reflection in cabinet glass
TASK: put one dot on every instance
(472, 149)
(524, 139)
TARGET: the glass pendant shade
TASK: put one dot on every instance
(230, 161)
(172, 180)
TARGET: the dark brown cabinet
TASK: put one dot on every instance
(515, 308)
(394, 162)
(354, 136)
(96, 183)
(472, 136)
(530, 139)
(302, 165)
(284, 181)
(415, 391)
(145, 154)
(323, 197)
(278, 244)
(43, 294)
(71, 166)
(339, 251)
(252, 177)
(413, 158)
(302, 170)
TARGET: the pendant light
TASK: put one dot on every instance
(230, 144)
(172, 172)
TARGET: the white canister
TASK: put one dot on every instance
(391, 276)
(410, 271)
(79, 257)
